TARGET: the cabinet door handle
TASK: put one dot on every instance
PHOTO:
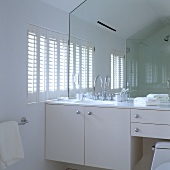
(89, 113)
(78, 112)
(136, 130)
(136, 116)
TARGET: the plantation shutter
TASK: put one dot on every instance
(42, 62)
(53, 53)
(47, 64)
(32, 65)
(90, 65)
(57, 65)
(63, 66)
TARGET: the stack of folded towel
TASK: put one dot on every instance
(161, 97)
(146, 101)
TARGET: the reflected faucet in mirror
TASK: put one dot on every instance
(106, 84)
(96, 96)
(103, 94)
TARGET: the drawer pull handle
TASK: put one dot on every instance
(136, 116)
(136, 130)
(78, 112)
(89, 113)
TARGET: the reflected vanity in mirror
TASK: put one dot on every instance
(142, 34)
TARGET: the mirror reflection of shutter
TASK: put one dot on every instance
(84, 67)
(148, 72)
(71, 67)
(74, 66)
(77, 66)
(117, 71)
(134, 73)
(32, 65)
(112, 73)
(81, 65)
(121, 72)
(116, 68)
(63, 65)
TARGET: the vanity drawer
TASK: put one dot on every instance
(150, 130)
(150, 116)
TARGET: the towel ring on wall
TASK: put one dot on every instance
(23, 121)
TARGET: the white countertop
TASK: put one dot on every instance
(126, 104)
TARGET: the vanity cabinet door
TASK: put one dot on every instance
(107, 138)
(65, 133)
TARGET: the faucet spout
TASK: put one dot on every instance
(106, 83)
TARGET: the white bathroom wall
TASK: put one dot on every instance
(14, 17)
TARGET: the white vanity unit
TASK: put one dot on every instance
(101, 135)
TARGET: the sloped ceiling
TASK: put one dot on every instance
(65, 5)
(128, 17)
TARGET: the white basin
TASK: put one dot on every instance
(95, 102)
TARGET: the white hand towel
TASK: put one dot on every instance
(161, 97)
(146, 101)
(11, 148)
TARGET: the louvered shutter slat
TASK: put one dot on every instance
(117, 71)
(32, 67)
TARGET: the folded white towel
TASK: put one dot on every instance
(161, 97)
(146, 101)
(11, 148)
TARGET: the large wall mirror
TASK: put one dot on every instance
(142, 34)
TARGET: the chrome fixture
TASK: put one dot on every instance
(106, 83)
(89, 113)
(78, 112)
(94, 87)
(167, 38)
(136, 116)
(23, 121)
(136, 130)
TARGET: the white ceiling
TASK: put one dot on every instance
(65, 5)
(126, 16)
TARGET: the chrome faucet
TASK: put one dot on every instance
(95, 81)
